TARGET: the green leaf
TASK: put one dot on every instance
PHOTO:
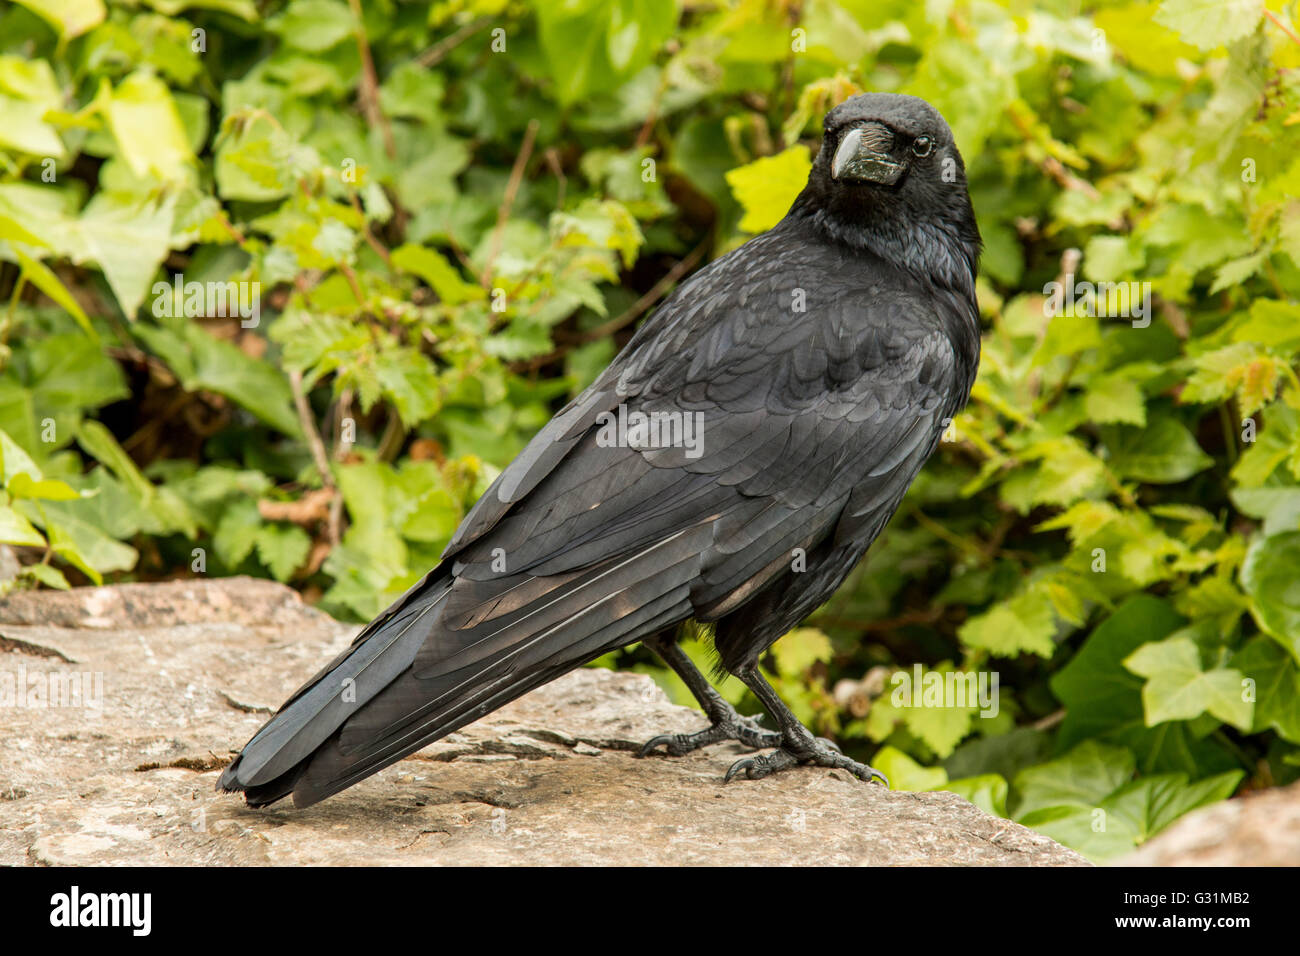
(38, 275)
(904, 773)
(434, 269)
(1178, 689)
(1276, 685)
(48, 575)
(410, 382)
(282, 548)
(800, 649)
(1024, 623)
(1210, 23)
(71, 18)
(148, 129)
(244, 9)
(204, 362)
(127, 237)
(1102, 699)
(1082, 778)
(23, 485)
(1116, 399)
(314, 25)
(987, 791)
(17, 530)
(14, 461)
(83, 543)
(236, 533)
(253, 158)
(767, 187)
(100, 443)
(1269, 578)
(24, 129)
(1167, 801)
(1162, 453)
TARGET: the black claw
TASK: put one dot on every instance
(727, 725)
(650, 745)
(819, 752)
(745, 765)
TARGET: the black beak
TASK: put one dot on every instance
(863, 156)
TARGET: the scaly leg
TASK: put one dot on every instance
(725, 722)
(797, 744)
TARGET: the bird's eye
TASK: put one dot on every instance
(922, 145)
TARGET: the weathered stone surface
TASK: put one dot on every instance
(179, 676)
(1259, 829)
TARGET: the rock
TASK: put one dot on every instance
(1258, 829)
(136, 695)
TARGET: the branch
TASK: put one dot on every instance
(318, 455)
(657, 291)
(444, 46)
(368, 90)
(512, 189)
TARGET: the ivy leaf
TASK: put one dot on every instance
(26, 131)
(48, 575)
(148, 129)
(82, 542)
(252, 158)
(1116, 399)
(434, 269)
(767, 187)
(236, 533)
(17, 530)
(282, 548)
(1081, 778)
(410, 381)
(1269, 578)
(799, 650)
(1164, 452)
(1210, 23)
(1178, 689)
(1277, 686)
(1166, 798)
(71, 18)
(987, 791)
(127, 237)
(1024, 623)
(904, 773)
(1103, 700)
(314, 25)
(204, 362)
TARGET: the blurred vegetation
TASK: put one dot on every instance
(455, 212)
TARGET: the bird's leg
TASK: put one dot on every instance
(797, 745)
(725, 722)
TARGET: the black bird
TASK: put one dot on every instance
(811, 373)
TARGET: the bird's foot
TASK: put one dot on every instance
(728, 724)
(801, 750)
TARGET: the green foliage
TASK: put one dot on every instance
(287, 283)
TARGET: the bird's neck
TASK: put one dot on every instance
(934, 251)
(939, 255)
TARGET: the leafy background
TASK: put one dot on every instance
(457, 211)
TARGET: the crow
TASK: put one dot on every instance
(730, 467)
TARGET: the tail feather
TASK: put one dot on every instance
(357, 676)
(417, 677)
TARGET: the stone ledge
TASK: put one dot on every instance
(188, 670)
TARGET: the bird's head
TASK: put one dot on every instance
(888, 165)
